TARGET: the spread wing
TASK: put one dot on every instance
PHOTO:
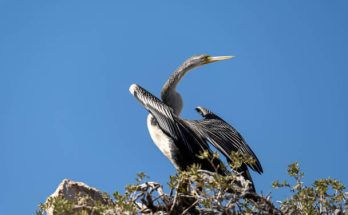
(224, 137)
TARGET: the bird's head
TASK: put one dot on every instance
(199, 60)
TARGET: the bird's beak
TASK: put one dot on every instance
(218, 58)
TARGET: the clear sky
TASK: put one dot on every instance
(66, 66)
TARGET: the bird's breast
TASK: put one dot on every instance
(161, 140)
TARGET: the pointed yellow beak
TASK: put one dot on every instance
(218, 58)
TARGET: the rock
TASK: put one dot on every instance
(73, 197)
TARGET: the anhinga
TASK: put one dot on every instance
(180, 140)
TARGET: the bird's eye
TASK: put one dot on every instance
(206, 59)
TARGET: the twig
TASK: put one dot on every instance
(175, 198)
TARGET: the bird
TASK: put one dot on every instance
(182, 140)
(228, 141)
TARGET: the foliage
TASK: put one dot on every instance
(196, 191)
(325, 196)
(61, 206)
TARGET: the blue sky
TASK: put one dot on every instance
(66, 67)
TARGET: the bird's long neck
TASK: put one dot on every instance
(169, 95)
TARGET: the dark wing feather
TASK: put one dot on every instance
(220, 139)
(224, 137)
